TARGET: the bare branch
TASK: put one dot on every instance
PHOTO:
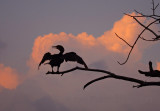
(63, 72)
(146, 27)
(147, 39)
(123, 40)
(155, 17)
(153, 7)
(109, 75)
(142, 15)
(147, 16)
(80, 68)
(95, 80)
(156, 6)
(139, 13)
(148, 84)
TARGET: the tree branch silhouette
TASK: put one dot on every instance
(151, 73)
(141, 83)
(156, 18)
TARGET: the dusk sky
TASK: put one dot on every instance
(29, 28)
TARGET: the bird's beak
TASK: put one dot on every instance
(54, 47)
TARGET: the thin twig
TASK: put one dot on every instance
(153, 7)
(134, 17)
(123, 40)
(157, 6)
(155, 17)
(146, 27)
(147, 16)
(95, 80)
(148, 39)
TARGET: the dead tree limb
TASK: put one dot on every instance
(109, 74)
(156, 18)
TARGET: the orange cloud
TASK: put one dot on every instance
(8, 77)
(158, 65)
(86, 39)
(126, 28)
(43, 44)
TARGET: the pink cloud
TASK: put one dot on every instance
(87, 44)
(158, 65)
(8, 77)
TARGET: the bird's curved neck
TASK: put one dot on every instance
(61, 52)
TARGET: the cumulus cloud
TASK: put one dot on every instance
(67, 90)
(88, 44)
(8, 77)
(158, 65)
(43, 44)
(126, 28)
(97, 52)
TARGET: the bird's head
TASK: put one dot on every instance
(59, 47)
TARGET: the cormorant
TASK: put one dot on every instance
(57, 59)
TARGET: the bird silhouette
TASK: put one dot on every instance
(151, 72)
(56, 60)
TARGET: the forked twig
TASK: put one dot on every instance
(156, 18)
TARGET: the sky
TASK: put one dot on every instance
(29, 28)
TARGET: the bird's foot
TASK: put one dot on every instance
(62, 74)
